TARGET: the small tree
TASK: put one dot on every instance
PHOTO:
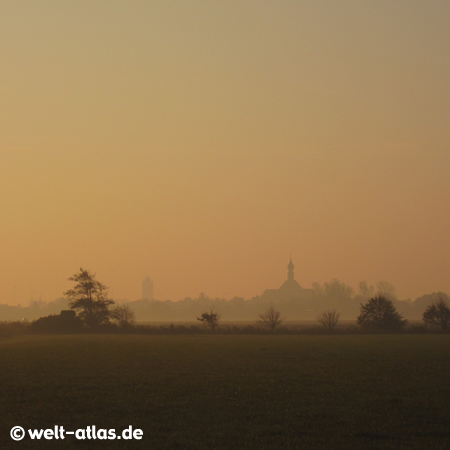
(380, 314)
(328, 319)
(271, 318)
(90, 298)
(438, 314)
(124, 316)
(210, 320)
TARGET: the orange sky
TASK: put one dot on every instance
(200, 142)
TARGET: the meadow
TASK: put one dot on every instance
(230, 391)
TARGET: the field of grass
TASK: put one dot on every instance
(230, 392)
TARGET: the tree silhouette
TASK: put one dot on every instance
(124, 316)
(365, 290)
(333, 290)
(89, 298)
(438, 314)
(387, 290)
(328, 319)
(379, 313)
(210, 320)
(271, 318)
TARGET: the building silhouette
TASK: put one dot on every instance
(148, 290)
(289, 290)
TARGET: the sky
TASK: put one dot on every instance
(201, 143)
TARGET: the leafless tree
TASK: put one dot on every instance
(210, 320)
(124, 316)
(328, 319)
(271, 318)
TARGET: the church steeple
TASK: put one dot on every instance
(290, 270)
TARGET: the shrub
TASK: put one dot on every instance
(57, 324)
(380, 314)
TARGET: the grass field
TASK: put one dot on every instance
(231, 392)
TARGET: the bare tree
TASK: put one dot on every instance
(328, 319)
(271, 318)
(210, 320)
(438, 314)
(124, 316)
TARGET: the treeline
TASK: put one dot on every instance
(236, 309)
(36, 309)
(329, 296)
(92, 312)
(239, 309)
(378, 315)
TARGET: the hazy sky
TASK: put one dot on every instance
(200, 142)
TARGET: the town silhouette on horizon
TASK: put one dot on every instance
(295, 302)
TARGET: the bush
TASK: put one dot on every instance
(379, 314)
(57, 324)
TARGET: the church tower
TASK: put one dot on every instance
(289, 290)
(148, 289)
(290, 270)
